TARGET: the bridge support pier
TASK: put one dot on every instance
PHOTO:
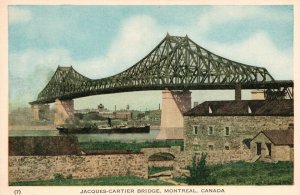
(238, 92)
(174, 104)
(64, 110)
(40, 111)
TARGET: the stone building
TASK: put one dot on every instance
(273, 145)
(123, 115)
(230, 125)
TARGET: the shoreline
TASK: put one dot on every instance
(31, 127)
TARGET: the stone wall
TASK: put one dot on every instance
(163, 163)
(32, 168)
(220, 156)
(225, 156)
(174, 150)
(282, 153)
(180, 160)
(240, 128)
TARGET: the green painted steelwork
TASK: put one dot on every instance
(176, 63)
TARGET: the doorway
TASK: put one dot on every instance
(258, 148)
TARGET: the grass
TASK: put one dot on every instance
(132, 146)
(258, 173)
(128, 180)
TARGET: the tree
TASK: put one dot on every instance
(100, 107)
(140, 115)
(200, 173)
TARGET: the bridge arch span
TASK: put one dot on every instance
(176, 63)
(174, 151)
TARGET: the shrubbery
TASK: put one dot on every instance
(58, 176)
(200, 173)
(132, 146)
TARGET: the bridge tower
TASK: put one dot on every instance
(64, 110)
(176, 63)
(174, 104)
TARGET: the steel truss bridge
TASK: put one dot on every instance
(176, 63)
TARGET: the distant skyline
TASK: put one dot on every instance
(100, 41)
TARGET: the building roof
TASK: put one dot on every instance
(279, 137)
(243, 108)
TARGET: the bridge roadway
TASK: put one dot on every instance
(228, 86)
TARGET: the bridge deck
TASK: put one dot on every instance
(266, 85)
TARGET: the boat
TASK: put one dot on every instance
(67, 130)
(132, 129)
(94, 129)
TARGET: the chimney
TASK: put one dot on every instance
(196, 104)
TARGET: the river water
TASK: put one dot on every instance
(124, 137)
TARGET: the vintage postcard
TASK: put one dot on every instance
(152, 97)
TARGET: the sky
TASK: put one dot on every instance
(100, 41)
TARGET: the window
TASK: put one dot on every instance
(269, 146)
(226, 146)
(210, 147)
(291, 126)
(249, 110)
(196, 147)
(227, 131)
(210, 130)
(209, 110)
(196, 129)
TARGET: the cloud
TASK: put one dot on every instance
(18, 15)
(25, 63)
(137, 37)
(31, 70)
(257, 50)
(218, 15)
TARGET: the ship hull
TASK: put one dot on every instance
(87, 130)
